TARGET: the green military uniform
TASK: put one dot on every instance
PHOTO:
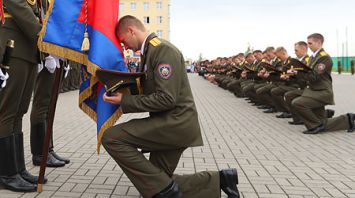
(235, 75)
(72, 80)
(39, 114)
(290, 95)
(235, 85)
(342, 122)
(75, 71)
(248, 88)
(277, 93)
(22, 26)
(310, 106)
(263, 90)
(171, 128)
(65, 83)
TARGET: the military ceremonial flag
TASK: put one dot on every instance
(67, 25)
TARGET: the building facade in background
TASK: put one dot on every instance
(155, 14)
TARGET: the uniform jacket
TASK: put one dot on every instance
(167, 97)
(22, 26)
(319, 79)
(291, 82)
(301, 81)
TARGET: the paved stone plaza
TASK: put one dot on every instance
(274, 159)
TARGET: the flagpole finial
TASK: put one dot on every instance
(85, 46)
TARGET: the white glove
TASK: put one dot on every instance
(40, 67)
(3, 77)
(57, 58)
(67, 68)
(51, 63)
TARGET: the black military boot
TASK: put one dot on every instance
(330, 113)
(229, 181)
(351, 119)
(20, 158)
(55, 155)
(171, 191)
(38, 132)
(9, 177)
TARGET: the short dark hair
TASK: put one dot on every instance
(280, 49)
(268, 49)
(316, 36)
(301, 43)
(240, 54)
(248, 54)
(126, 21)
(257, 51)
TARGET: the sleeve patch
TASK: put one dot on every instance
(320, 68)
(165, 71)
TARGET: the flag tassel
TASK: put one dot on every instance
(85, 46)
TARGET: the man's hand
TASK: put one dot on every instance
(266, 74)
(261, 73)
(284, 76)
(292, 71)
(51, 63)
(3, 77)
(115, 98)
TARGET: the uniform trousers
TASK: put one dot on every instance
(16, 96)
(311, 111)
(150, 176)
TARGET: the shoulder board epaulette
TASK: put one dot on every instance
(155, 42)
(31, 2)
(323, 53)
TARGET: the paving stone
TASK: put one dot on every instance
(273, 159)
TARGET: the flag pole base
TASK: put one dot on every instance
(39, 188)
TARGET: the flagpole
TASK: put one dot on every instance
(50, 120)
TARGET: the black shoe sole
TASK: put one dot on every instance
(66, 161)
(49, 165)
(2, 185)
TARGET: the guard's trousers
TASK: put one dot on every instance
(311, 111)
(153, 175)
(16, 96)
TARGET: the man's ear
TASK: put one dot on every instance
(131, 30)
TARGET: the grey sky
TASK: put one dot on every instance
(226, 27)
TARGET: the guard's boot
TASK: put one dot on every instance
(55, 155)
(20, 158)
(351, 119)
(65, 160)
(9, 177)
(330, 113)
(316, 130)
(171, 191)
(38, 132)
(229, 181)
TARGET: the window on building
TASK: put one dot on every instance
(160, 33)
(121, 7)
(159, 19)
(146, 6)
(146, 20)
(159, 5)
(133, 6)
